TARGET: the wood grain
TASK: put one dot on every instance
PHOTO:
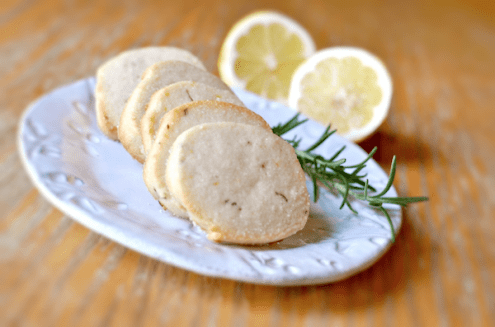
(440, 272)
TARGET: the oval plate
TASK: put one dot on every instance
(96, 182)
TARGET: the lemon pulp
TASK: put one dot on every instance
(267, 58)
(342, 92)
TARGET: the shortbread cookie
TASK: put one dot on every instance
(117, 78)
(173, 96)
(240, 183)
(172, 125)
(156, 77)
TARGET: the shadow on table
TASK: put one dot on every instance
(399, 272)
(408, 149)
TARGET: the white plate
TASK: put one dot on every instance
(95, 181)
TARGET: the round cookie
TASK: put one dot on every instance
(172, 125)
(156, 77)
(240, 183)
(117, 78)
(173, 96)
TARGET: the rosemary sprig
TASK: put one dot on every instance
(345, 179)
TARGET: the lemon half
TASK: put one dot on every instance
(261, 53)
(348, 88)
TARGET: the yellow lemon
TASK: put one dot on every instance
(348, 88)
(261, 52)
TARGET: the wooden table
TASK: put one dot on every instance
(441, 270)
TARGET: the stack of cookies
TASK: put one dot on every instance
(206, 157)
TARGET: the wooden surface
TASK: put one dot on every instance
(441, 270)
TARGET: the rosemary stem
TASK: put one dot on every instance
(332, 174)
